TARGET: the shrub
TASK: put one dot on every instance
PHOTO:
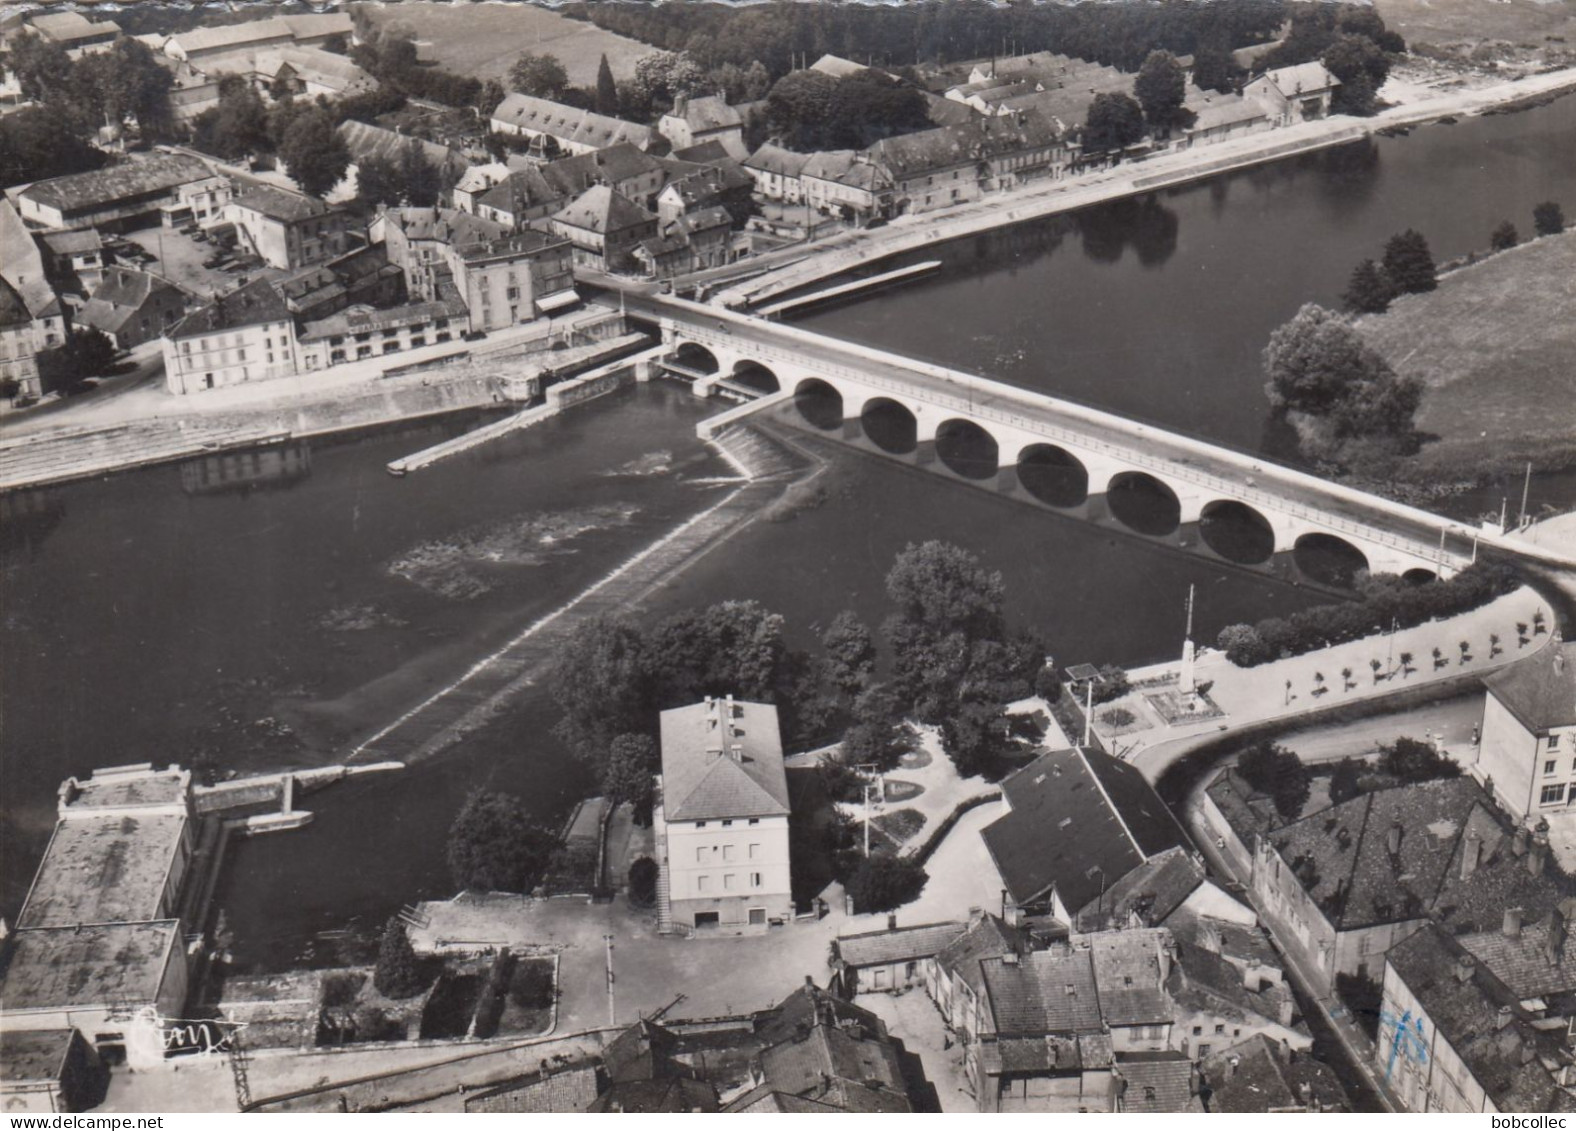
(1504, 237)
(1345, 781)
(397, 973)
(532, 987)
(1278, 772)
(1113, 684)
(643, 881)
(883, 882)
(1409, 760)
(1548, 218)
(1117, 717)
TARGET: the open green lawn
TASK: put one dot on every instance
(1496, 347)
(1442, 22)
(484, 40)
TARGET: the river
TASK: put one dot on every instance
(262, 615)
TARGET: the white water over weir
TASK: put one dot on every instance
(492, 682)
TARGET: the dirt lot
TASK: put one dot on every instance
(1493, 345)
(180, 258)
(485, 39)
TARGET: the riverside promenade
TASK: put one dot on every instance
(1291, 691)
(804, 264)
(118, 428)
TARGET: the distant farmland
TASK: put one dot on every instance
(484, 40)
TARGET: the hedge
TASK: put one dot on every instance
(1383, 598)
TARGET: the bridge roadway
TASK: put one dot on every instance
(1415, 536)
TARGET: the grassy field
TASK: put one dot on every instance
(1496, 347)
(1443, 22)
(485, 39)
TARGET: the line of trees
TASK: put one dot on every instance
(1383, 599)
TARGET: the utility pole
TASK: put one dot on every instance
(612, 1013)
(1088, 709)
(1526, 486)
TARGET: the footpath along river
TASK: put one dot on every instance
(164, 615)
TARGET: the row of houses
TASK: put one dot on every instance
(551, 128)
(1441, 895)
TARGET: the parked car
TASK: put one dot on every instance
(473, 335)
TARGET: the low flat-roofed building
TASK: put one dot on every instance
(75, 260)
(75, 32)
(49, 1070)
(116, 982)
(112, 197)
(880, 961)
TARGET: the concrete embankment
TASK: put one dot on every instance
(468, 703)
(1045, 198)
(298, 409)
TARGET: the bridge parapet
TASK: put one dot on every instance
(980, 400)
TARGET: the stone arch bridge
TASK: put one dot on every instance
(1067, 457)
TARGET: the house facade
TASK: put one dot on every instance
(514, 278)
(246, 335)
(133, 307)
(1294, 94)
(604, 227)
(722, 823)
(360, 332)
(288, 229)
(694, 121)
(1527, 749)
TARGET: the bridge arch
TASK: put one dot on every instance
(889, 425)
(1420, 576)
(1053, 475)
(1237, 532)
(967, 448)
(693, 355)
(1143, 503)
(1329, 559)
(819, 404)
(756, 376)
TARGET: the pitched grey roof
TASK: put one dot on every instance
(604, 210)
(280, 204)
(568, 1091)
(875, 948)
(1540, 690)
(771, 158)
(716, 767)
(1129, 968)
(1152, 891)
(120, 296)
(1079, 821)
(1536, 961)
(251, 305)
(709, 113)
(1042, 992)
(1258, 1076)
(114, 183)
(581, 127)
(986, 937)
(1158, 1083)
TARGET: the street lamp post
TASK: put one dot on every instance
(611, 1010)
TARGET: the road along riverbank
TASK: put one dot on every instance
(853, 250)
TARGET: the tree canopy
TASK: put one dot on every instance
(34, 148)
(1277, 771)
(1161, 87)
(397, 973)
(1362, 67)
(1409, 264)
(494, 846)
(1548, 218)
(541, 75)
(627, 774)
(314, 152)
(606, 101)
(1504, 237)
(1114, 121)
(1368, 292)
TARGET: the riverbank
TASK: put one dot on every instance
(146, 425)
(1036, 199)
(1492, 348)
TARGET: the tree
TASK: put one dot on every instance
(420, 178)
(1215, 69)
(883, 882)
(1345, 780)
(643, 881)
(1161, 87)
(850, 653)
(41, 66)
(83, 355)
(659, 79)
(377, 182)
(314, 152)
(33, 147)
(494, 846)
(237, 126)
(943, 588)
(1412, 761)
(1369, 291)
(627, 774)
(798, 107)
(978, 739)
(1408, 263)
(600, 684)
(868, 106)
(125, 82)
(1548, 218)
(1362, 68)
(1314, 361)
(1243, 645)
(1278, 772)
(730, 648)
(397, 973)
(876, 742)
(606, 89)
(1115, 121)
(540, 75)
(1504, 237)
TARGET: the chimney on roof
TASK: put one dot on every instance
(1504, 1016)
(1471, 852)
(1559, 662)
(1511, 928)
(680, 105)
(1554, 944)
(1231, 1066)
(892, 921)
(1393, 838)
(1464, 967)
(809, 982)
(1538, 854)
(1528, 1051)
(1518, 842)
